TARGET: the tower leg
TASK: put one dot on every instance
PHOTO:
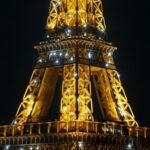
(123, 106)
(68, 100)
(104, 95)
(84, 91)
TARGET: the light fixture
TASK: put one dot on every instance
(118, 75)
(66, 55)
(54, 53)
(70, 15)
(40, 60)
(75, 74)
(85, 25)
(65, 108)
(37, 148)
(106, 65)
(7, 147)
(35, 81)
(80, 144)
(51, 54)
(59, 2)
(120, 112)
(60, 54)
(85, 34)
(31, 148)
(47, 36)
(101, 30)
(54, 5)
(15, 122)
(89, 55)
(129, 145)
(109, 54)
(57, 61)
(30, 96)
(69, 30)
(71, 59)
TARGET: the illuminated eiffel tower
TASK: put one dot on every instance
(74, 99)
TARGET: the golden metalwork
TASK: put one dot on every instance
(68, 100)
(75, 12)
(84, 94)
(78, 134)
(29, 97)
(121, 99)
(76, 62)
(104, 95)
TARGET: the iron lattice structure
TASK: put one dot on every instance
(75, 99)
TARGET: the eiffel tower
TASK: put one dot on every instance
(75, 99)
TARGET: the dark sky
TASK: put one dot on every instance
(22, 24)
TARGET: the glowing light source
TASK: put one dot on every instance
(47, 36)
(37, 148)
(70, 15)
(80, 144)
(15, 122)
(129, 145)
(40, 60)
(101, 30)
(54, 5)
(89, 55)
(66, 55)
(118, 75)
(69, 30)
(71, 59)
(57, 61)
(60, 54)
(35, 81)
(121, 112)
(7, 147)
(85, 25)
(109, 54)
(106, 65)
(109, 61)
(31, 148)
(65, 108)
(30, 96)
(85, 34)
(75, 74)
(59, 2)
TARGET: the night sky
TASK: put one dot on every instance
(22, 24)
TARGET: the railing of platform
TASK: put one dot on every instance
(73, 126)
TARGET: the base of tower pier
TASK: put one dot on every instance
(74, 135)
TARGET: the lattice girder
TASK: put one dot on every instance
(84, 94)
(29, 98)
(123, 106)
(105, 99)
(68, 100)
(75, 12)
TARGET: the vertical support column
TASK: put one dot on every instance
(84, 94)
(68, 100)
